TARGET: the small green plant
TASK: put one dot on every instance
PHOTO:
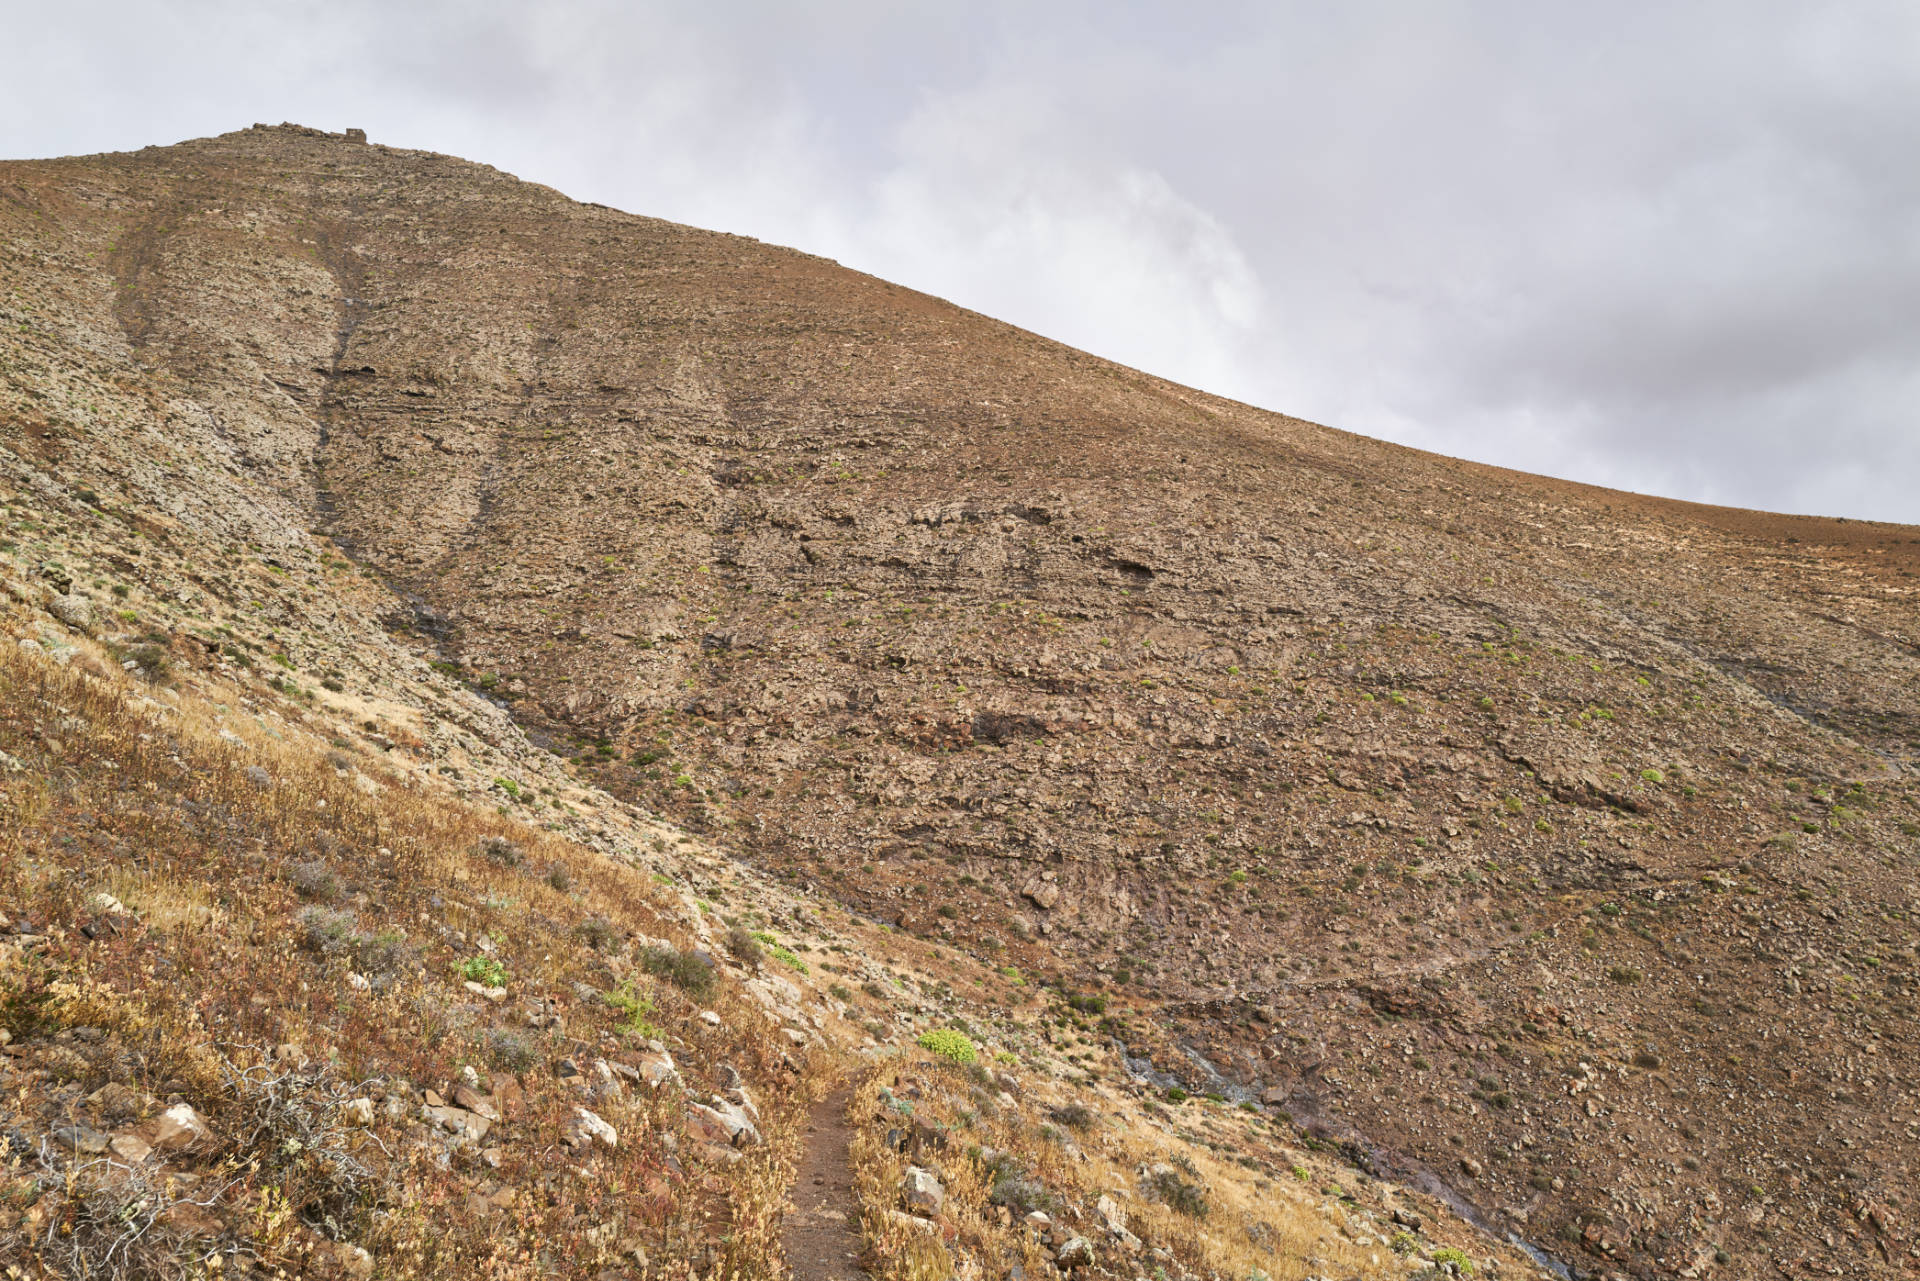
(1458, 1258)
(949, 1043)
(1653, 776)
(786, 957)
(635, 1008)
(484, 970)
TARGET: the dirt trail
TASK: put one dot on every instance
(820, 1236)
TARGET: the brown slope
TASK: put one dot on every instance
(1409, 785)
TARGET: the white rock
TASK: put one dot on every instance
(591, 1126)
(358, 1111)
(710, 1017)
(179, 1127)
(922, 1190)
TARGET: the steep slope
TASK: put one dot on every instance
(1552, 846)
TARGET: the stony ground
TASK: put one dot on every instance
(1550, 848)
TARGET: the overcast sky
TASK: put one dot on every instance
(1673, 247)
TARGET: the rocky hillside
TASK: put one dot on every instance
(1549, 848)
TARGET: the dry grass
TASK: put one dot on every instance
(217, 861)
(1253, 1225)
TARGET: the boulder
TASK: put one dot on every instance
(81, 1138)
(75, 610)
(1076, 1253)
(130, 1148)
(706, 1125)
(657, 1069)
(460, 1122)
(1043, 892)
(589, 1128)
(922, 1190)
(179, 1128)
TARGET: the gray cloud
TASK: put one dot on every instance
(1670, 247)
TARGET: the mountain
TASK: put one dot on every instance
(1547, 849)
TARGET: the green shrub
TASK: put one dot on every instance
(786, 957)
(1458, 1258)
(949, 1044)
(484, 970)
(635, 1009)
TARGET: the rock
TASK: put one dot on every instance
(738, 1119)
(587, 1127)
(81, 1138)
(1111, 1216)
(460, 1122)
(493, 994)
(1408, 1219)
(114, 1100)
(657, 1069)
(1039, 1221)
(74, 610)
(720, 1124)
(358, 1111)
(258, 776)
(130, 1148)
(710, 1017)
(179, 1128)
(1076, 1253)
(1042, 891)
(904, 1219)
(358, 982)
(922, 1190)
(1471, 1168)
(472, 1100)
(107, 904)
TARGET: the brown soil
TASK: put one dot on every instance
(819, 1235)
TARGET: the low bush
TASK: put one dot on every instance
(687, 970)
(949, 1043)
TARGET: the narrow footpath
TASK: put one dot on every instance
(821, 1232)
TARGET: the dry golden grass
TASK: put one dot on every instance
(1282, 1228)
(155, 807)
